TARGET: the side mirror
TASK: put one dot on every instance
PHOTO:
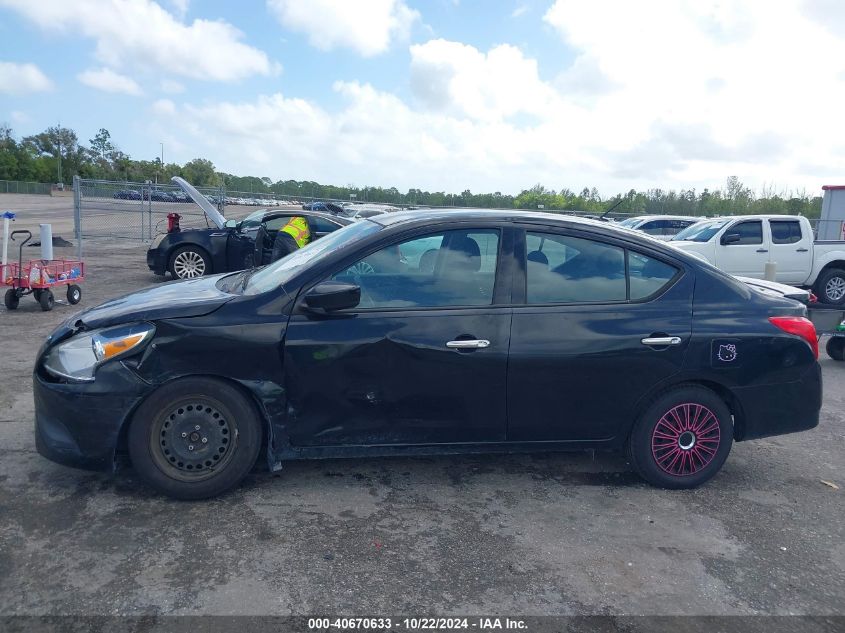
(231, 224)
(329, 296)
(730, 238)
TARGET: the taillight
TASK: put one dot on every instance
(799, 326)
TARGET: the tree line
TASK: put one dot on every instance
(56, 155)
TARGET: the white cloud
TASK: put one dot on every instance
(140, 34)
(459, 79)
(20, 79)
(19, 117)
(164, 107)
(108, 80)
(171, 87)
(690, 89)
(520, 10)
(366, 26)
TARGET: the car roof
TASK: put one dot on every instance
(760, 216)
(664, 217)
(420, 216)
(303, 212)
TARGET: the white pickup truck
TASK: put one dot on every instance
(743, 245)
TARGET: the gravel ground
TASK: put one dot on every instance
(545, 534)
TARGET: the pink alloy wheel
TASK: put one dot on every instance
(685, 439)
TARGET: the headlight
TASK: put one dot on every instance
(78, 357)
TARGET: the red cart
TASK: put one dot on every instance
(38, 276)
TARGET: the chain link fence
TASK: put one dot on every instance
(15, 186)
(133, 211)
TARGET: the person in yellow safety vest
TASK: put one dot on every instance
(297, 228)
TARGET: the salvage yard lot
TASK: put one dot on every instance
(561, 534)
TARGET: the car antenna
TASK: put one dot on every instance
(618, 202)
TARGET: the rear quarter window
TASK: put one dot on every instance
(648, 276)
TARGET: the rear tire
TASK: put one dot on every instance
(47, 300)
(682, 439)
(835, 347)
(182, 461)
(11, 299)
(830, 287)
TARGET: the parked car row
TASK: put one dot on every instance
(154, 195)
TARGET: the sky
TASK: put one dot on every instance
(445, 95)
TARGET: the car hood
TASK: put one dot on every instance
(189, 298)
(209, 209)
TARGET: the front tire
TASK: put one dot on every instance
(682, 439)
(194, 438)
(830, 287)
(189, 262)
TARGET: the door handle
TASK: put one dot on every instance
(468, 344)
(762, 250)
(657, 341)
(801, 250)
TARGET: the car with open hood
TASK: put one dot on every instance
(431, 332)
(230, 244)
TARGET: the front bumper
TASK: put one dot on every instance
(156, 261)
(79, 424)
(782, 408)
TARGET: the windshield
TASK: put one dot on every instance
(253, 219)
(275, 274)
(701, 231)
(630, 222)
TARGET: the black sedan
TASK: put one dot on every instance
(191, 253)
(430, 332)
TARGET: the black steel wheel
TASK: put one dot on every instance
(11, 299)
(74, 294)
(195, 438)
(836, 347)
(47, 300)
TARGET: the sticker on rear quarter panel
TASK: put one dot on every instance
(725, 353)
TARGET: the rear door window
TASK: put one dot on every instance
(566, 269)
(785, 231)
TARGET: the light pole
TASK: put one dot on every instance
(161, 163)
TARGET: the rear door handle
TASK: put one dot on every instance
(657, 341)
(801, 250)
(762, 250)
(468, 344)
